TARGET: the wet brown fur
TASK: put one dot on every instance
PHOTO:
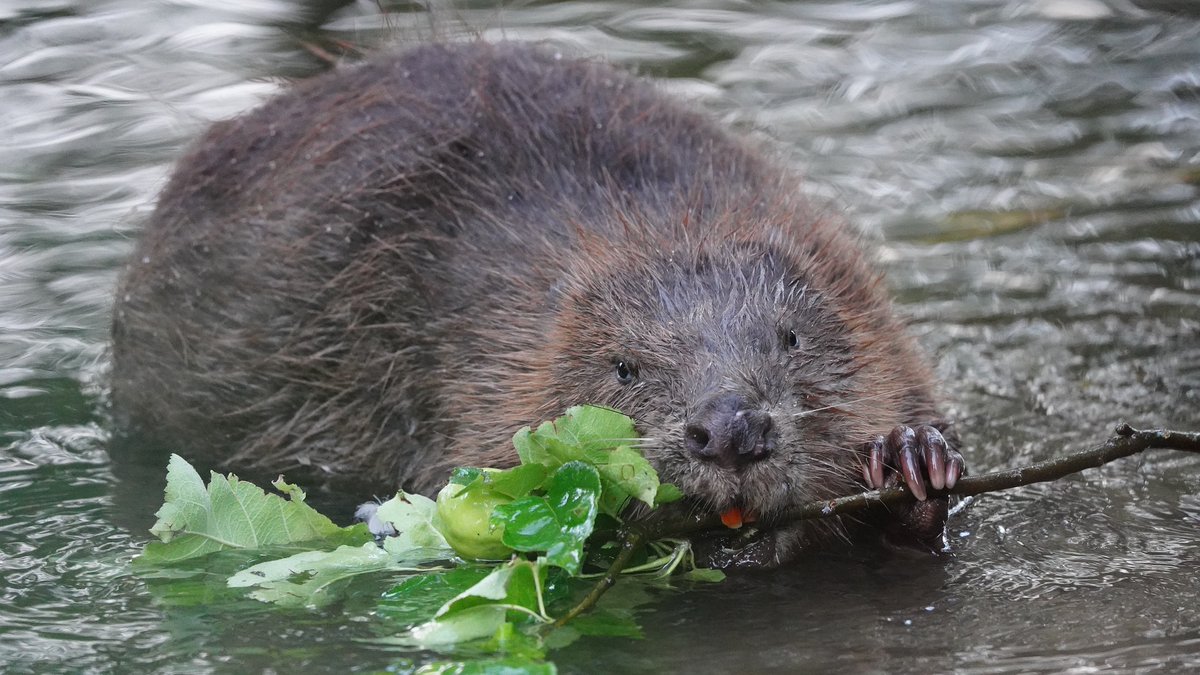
(387, 270)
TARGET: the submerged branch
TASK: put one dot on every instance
(1126, 441)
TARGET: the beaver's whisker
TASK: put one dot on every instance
(884, 394)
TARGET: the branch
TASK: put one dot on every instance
(1126, 441)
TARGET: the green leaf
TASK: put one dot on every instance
(581, 429)
(310, 579)
(511, 665)
(624, 473)
(473, 623)
(514, 585)
(558, 523)
(594, 428)
(195, 521)
(465, 475)
(417, 598)
(705, 575)
(667, 493)
(515, 643)
(600, 437)
(608, 622)
(412, 516)
(510, 591)
(544, 447)
(517, 481)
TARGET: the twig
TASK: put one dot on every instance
(1125, 442)
(631, 541)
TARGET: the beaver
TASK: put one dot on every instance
(388, 269)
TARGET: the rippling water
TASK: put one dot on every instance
(1031, 168)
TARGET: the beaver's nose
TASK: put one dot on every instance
(726, 430)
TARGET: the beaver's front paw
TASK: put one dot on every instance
(916, 455)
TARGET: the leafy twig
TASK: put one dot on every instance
(1126, 441)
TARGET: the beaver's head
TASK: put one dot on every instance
(741, 373)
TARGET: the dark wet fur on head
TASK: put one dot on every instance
(386, 271)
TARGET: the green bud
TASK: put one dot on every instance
(464, 519)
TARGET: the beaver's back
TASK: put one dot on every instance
(309, 261)
(360, 275)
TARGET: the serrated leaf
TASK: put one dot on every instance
(195, 521)
(581, 429)
(596, 436)
(594, 428)
(558, 523)
(543, 446)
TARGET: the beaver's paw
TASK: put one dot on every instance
(914, 455)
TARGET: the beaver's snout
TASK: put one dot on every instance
(725, 429)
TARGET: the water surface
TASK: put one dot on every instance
(1029, 169)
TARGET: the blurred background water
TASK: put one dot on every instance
(1030, 168)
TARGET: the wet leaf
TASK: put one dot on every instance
(558, 523)
(474, 623)
(508, 592)
(517, 481)
(412, 517)
(705, 575)
(514, 585)
(511, 665)
(609, 623)
(416, 599)
(310, 579)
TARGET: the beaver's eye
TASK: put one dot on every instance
(793, 340)
(624, 372)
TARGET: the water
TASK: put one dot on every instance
(1030, 167)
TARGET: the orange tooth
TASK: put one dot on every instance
(732, 518)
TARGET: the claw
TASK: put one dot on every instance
(930, 439)
(875, 463)
(903, 441)
(910, 466)
(954, 470)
